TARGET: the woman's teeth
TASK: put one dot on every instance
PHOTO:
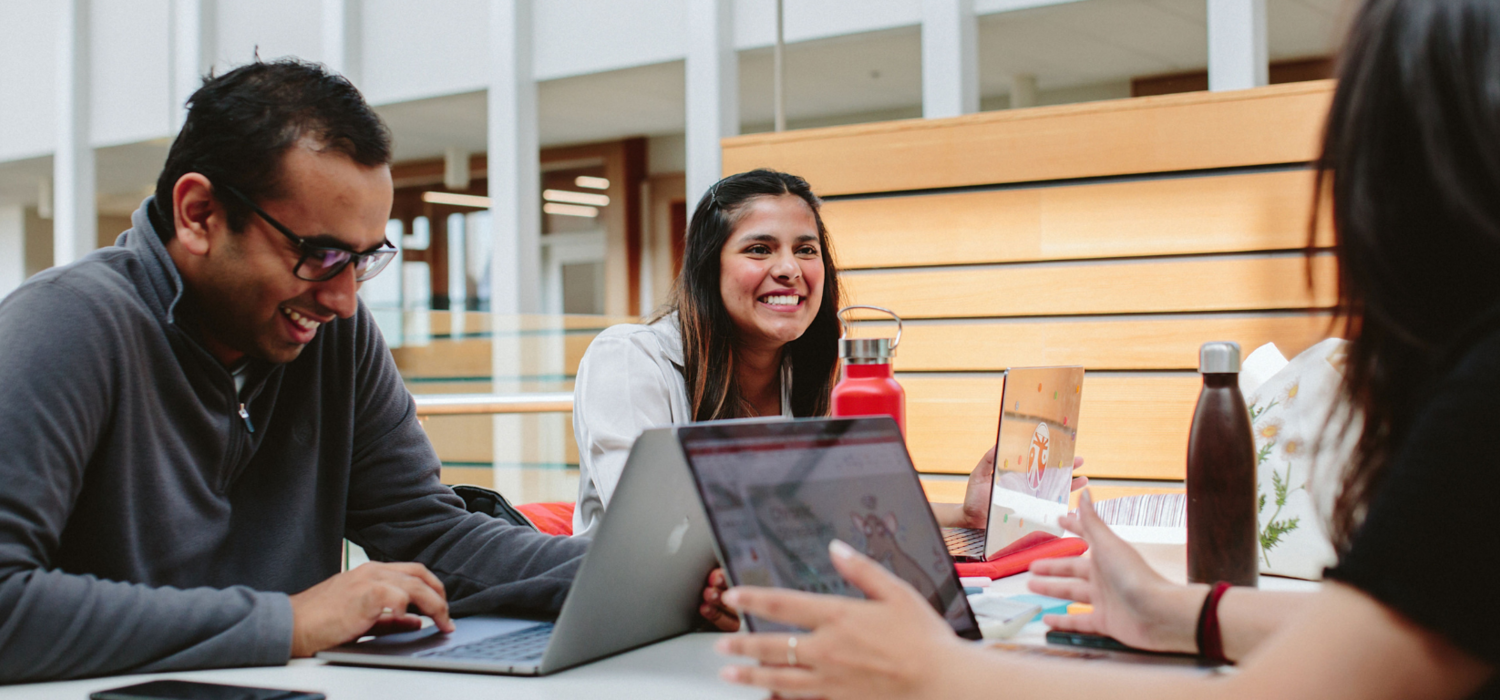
(782, 300)
(302, 322)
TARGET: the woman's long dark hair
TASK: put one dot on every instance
(1411, 160)
(708, 332)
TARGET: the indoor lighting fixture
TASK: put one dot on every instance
(457, 200)
(570, 210)
(571, 197)
(590, 182)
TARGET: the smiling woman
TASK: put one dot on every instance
(750, 330)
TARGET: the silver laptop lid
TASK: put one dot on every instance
(643, 576)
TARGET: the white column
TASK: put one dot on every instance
(713, 105)
(190, 45)
(514, 164)
(950, 58)
(12, 248)
(76, 224)
(341, 32)
(1237, 56)
(1022, 90)
(514, 161)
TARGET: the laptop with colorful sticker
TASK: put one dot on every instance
(1033, 471)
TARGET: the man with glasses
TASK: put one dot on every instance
(193, 420)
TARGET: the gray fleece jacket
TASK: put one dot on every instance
(144, 526)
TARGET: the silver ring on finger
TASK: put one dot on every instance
(791, 651)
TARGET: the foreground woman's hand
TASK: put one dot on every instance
(713, 608)
(891, 646)
(1132, 603)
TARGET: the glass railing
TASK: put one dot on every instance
(495, 394)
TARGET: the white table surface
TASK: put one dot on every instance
(683, 667)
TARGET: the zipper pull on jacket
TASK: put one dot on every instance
(244, 414)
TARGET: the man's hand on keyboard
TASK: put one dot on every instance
(372, 598)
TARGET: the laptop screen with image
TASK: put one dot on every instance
(778, 492)
(1034, 453)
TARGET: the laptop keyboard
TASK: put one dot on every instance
(521, 645)
(964, 541)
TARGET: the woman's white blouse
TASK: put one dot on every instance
(630, 379)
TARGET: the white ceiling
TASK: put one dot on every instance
(1068, 46)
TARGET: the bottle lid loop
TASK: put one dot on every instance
(867, 350)
(844, 324)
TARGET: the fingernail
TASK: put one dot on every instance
(722, 646)
(840, 549)
(732, 597)
(730, 673)
(713, 595)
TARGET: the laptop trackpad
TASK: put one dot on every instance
(469, 629)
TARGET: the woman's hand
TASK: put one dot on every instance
(891, 646)
(976, 509)
(713, 608)
(1132, 603)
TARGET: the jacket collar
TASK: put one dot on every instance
(163, 289)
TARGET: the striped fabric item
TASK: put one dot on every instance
(1152, 509)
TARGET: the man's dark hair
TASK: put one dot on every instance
(239, 125)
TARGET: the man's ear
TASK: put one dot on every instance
(195, 212)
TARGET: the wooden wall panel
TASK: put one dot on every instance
(1053, 289)
(1125, 343)
(1129, 427)
(1276, 124)
(1174, 216)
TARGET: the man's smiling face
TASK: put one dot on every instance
(246, 298)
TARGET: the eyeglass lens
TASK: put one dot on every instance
(325, 263)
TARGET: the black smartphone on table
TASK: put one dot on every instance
(1101, 642)
(190, 690)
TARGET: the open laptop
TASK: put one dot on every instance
(778, 491)
(1033, 470)
(640, 582)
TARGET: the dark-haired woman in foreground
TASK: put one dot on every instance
(1412, 160)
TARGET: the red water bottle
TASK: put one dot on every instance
(866, 386)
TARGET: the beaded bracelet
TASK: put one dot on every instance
(1210, 636)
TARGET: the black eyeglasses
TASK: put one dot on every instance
(323, 263)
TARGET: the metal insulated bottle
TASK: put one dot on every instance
(867, 386)
(1222, 531)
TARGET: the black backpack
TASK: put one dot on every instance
(478, 499)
